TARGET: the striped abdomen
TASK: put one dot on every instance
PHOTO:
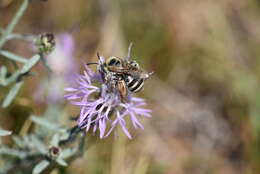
(134, 84)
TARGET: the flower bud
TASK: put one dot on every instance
(54, 152)
(45, 43)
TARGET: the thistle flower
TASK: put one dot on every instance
(101, 108)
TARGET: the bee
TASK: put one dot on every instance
(123, 74)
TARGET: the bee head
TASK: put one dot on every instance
(134, 65)
(113, 61)
(137, 71)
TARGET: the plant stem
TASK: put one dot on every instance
(26, 68)
(26, 165)
(13, 56)
(25, 37)
(13, 22)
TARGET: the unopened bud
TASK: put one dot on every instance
(45, 43)
(54, 152)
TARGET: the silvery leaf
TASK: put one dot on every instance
(12, 93)
(66, 153)
(3, 72)
(40, 167)
(38, 144)
(12, 152)
(61, 162)
(5, 132)
(45, 123)
(30, 63)
(55, 140)
(13, 56)
(19, 142)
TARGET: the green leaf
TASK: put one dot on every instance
(12, 93)
(30, 63)
(38, 144)
(55, 140)
(26, 68)
(40, 167)
(27, 141)
(65, 136)
(12, 78)
(66, 153)
(13, 22)
(3, 72)
(5, 132)
(61, 162)
(18, 141)
(13, 56)
(12, 152)
(47, 124)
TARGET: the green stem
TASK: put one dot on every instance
(26, 68)
(26, 37)
(13, 22)
(13, 56)
(30, 38)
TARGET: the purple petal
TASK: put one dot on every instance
(70, 89)
(137, 99)
(135, 122)
(123, 126)
(114, 124)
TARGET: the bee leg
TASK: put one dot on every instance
(129, 51)
(121, 86)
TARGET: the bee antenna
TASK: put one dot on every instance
(98, 55)
(129, 51)
(92, 63)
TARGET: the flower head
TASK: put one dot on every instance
(45, 43)
(101, 107)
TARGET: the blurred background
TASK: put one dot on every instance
(204, 92)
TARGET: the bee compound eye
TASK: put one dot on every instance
(113, 61)
(134, 63)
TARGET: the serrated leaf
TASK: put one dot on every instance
(12, 93)
(61, 162)
(13, 56)
(30, 63)
(5, 132)
(45, 123)
(40, 167)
